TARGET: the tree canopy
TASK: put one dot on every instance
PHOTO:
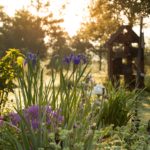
(27, 31)
(38, 33)
(107, 15)
(132, 9)
(24, 32)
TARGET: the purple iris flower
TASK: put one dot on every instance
(76, 60)
(80, 58)
(48, 109)
(33, 111)
(35, 124)
(48, 120)
(31, 58)
(60, 118)
(15, 118)
(57, 116)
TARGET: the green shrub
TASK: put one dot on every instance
(10, 65)
(117, 108)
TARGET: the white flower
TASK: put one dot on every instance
(98, 89)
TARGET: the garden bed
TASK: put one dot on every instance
(74, 115)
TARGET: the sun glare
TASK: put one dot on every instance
(11, 5)
(73, 14)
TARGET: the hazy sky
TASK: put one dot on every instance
(74, 13)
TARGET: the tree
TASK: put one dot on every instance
(28, 31)
(102, 22)
(80, 45)
(23, 31)
(57, 38)
(107, 15)
(132, 9)
(4, 23)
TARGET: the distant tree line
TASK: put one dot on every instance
(39, 33)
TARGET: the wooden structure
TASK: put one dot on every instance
(126, 57)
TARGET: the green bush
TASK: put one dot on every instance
(116, 108)
(10, 65)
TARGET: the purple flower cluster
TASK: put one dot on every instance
(15, 118)
(34, 115)
(75, 59)
(31, 58)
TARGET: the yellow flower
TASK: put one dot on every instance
(20, 60)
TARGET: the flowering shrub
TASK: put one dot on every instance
(65, 115)
(10, 66)
(33, 116)
(30, 128)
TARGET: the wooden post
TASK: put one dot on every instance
(110, 65)
(140, 58)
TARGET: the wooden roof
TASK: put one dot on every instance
(124, 34)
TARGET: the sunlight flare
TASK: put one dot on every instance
(73, 13)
